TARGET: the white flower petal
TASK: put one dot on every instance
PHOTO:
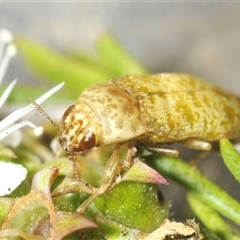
(15, 127)
(5, 59)
(13, 117)
(11, 175)
(49, 93)
(5, 38)
(8, 50)
(6, 93)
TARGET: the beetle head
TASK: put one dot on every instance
(80, 129)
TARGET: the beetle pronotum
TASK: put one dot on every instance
(150, 110)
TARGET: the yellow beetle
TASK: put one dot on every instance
(151, 109)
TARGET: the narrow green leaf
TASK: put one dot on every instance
(211, 219)
(117, 58)
(197, 183)
(58, 68)
(231, 157)
(92, 60)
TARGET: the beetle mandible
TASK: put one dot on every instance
(151, 109)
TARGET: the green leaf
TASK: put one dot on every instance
(198, 184)
(117, 58)
(35, 213)
(231, 157)
(211, 219)
(66, 223)
(140, 172)
(58, 68)
(115, 230)
(135, 205)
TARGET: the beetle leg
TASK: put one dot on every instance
(109, 178)
(170, 152)
(197, 144)
(131, 154)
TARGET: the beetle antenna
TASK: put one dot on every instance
(39, 108)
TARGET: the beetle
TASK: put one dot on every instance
(151, 110)
(148, 110)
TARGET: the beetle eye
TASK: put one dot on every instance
(88, 141)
